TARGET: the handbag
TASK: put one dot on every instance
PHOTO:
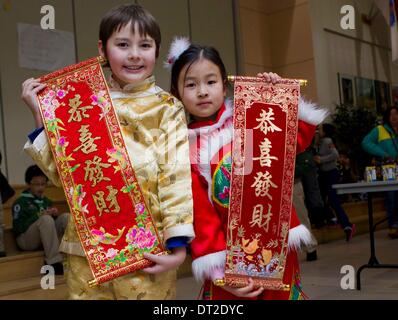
(5, 189)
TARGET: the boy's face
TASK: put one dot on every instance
(201, 89)
(131, 56)
(37, 186)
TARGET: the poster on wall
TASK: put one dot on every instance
(365, 92)
(46, 50)
(382, 93)
(346, 89)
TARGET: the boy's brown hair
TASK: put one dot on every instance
(118, 17)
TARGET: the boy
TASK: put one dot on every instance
(154, 128)
(36, 222)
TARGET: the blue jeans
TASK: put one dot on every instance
(327, 179)
(391, 203)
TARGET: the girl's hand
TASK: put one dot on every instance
(30, 88)
(317, 159)
(245, 292)
(270, 77)
(165, 262)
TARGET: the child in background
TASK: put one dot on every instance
(36, 222)
(326, 158)
(154, 128)
(199, 80)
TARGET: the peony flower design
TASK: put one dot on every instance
(61, 94)
(139, 208)
(112, 253)
(141, 238)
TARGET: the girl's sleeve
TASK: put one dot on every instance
(208, 249)
(370, 144)
(310, 115)
(332, 155)
(305, 135)
(39, 150)
(174, 178)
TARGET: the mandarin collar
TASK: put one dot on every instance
(132, 87)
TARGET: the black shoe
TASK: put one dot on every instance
(58, 268)
(2, 254)
(312, 256)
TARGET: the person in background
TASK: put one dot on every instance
(36, 222)
(382, 142)
(326, 158)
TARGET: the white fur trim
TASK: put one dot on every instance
(210, 145)
(177, 47)
(310, 113)
(203, 267)
(299, 236)
(228, 113)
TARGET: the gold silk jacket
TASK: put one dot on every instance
(154, 128)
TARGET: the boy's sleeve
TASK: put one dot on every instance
(208, 249)
(39, 150)
(174, 178)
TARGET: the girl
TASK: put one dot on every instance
(199, 80)
(326, 157)
(152, 123)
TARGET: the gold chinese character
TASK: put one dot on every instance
(265, 157)
(112, 199)
(262, 184)
(265, 122)
(259, 219)
(94, 171)
(77, 114)
(101, 204)
(87, 141)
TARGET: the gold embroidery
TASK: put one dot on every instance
(77, 114)
(94, 172)
(87, 141)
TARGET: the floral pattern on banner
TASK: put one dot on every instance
(96, 173)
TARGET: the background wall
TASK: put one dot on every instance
(206, 21)
(277, 36)
(363, 52)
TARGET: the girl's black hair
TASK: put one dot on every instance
(387, 113)
(328, 130)
(190, 56)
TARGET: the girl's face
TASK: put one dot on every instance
(201, 89)
(321, 132)
(131, 56)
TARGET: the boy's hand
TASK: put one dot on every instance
(166, 262)
(270, 77)
(53, 211)
(245, 292)
(30, 88)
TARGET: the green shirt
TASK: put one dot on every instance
(26, 210)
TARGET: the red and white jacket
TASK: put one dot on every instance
(210, 144)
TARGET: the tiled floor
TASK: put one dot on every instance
(322, 278)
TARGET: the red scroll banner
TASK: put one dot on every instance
(113, 222)
(264, 150)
